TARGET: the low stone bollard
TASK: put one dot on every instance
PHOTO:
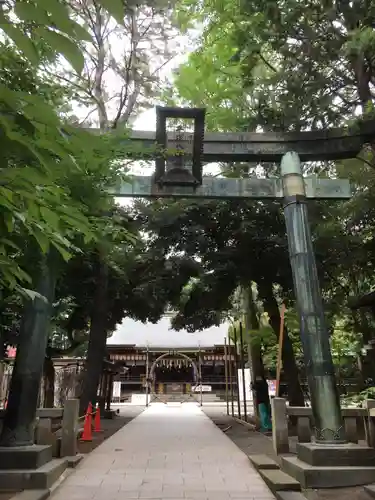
(45, 436)
(351, 430)
(304, 430)
(69, 428)
(43, 431)
(280, 436)
(370, 427)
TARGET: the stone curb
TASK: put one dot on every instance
(263, 462)
(277, 480)
(370, 490)
(290, 495)
(73, 461)
(245, 424)
(32, 495)
(283, 486)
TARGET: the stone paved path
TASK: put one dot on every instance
(167, 453)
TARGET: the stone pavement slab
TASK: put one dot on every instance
(166, 453)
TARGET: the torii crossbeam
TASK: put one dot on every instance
(218, 188)
(333, 144)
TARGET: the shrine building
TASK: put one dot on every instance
(175, 360)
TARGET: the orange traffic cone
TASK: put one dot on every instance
(97, 420)
(87, 430)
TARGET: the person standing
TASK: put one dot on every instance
(260, 387)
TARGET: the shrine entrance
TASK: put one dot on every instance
(181, 147)
(173, 377)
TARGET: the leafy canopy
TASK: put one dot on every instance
(44, 160)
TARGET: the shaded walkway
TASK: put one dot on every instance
(167, 452)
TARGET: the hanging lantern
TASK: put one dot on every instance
(179, 136)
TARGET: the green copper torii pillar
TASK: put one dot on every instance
(325, 402)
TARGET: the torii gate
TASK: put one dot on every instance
(334, 144)
(179, 180)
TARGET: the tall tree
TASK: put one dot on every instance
(46, 214)
(123, 62)
(235, 244)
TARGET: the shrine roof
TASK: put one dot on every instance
(160, 334)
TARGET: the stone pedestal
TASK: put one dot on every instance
(24, 457)
(109, 414)
(337, 455)
(331, 466)
(29, 467)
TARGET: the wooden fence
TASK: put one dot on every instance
(67, 382)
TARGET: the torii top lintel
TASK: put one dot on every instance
(330, 144)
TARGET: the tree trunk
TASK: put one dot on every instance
(254, 348)
(295, 393)
(28, 368)
(49, 383)
(97, 340)
(2, 367)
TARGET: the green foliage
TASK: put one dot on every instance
(234, 242)
(142, 282)
(358, 399)
(43, 159)
(55, 178)
(266, 338)
(44, 21)
(279, 65)
(49, 21)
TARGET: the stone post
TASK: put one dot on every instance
(43, 431)
(370, 428)
(303, 429)
(69, 428)
(280, 436)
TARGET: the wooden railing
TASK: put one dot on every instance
(357, 421)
